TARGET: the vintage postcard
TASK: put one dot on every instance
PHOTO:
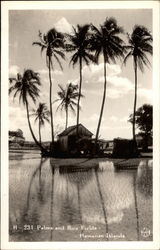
(80, 125)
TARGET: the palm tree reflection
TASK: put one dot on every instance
(79, 178)
(102, 201)
(40, 193)
(142, 180)
(136, 203)
(52, 201)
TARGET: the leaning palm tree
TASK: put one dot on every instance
(79, 44)
(41, 115)
(53, 42)
(67, 97)
(26, 86)
(106, 41)
(139, 45)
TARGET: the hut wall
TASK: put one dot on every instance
(63, 142)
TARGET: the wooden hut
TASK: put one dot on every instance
(68, 138)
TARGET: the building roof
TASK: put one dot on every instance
(71, 128)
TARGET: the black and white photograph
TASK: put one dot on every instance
(80, 157)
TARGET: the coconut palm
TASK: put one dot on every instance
(53, 42)
(79, 44)
(106, 41)
(41, 115)
(26, 86)
(139, 45)
(67, 97)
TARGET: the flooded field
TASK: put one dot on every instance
(78, 199)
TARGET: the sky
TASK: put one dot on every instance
(24, 26)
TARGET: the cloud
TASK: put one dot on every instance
(45, 72)
(96, 71)
(63, 25)
(146, 93)
(117, 86)
(42, 71)
(114, 118)
(57, 72)
(14, 69)
(117, 119)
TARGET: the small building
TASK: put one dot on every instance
(67, 139)
(106, 144)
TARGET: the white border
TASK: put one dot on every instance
(6, 6)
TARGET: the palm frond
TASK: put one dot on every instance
(72, 109)
(74, 59)
(38, 43)
(127, 57)
(60, 53)
(57, 59)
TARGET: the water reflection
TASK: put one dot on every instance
(145, 178)
(80, 194)
(102, 201)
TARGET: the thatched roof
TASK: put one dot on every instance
(71, 128)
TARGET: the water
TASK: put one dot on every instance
(89, 200)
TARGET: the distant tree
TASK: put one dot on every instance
(19, 133)
(68, 97)
(27, 87)
(138, 48)
(53, 43)
(144, 122)
(41, 115)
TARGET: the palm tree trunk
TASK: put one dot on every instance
(66, 118)
(50, 101)
(102, 106)
(39, 132)
(135, 98)
(79, 96)
(34, 138)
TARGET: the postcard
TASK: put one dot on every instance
(80, 125)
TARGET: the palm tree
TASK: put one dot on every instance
(26, 86)
(79, 43)
(106, 41)
(139, 45)
(53, 42)
(67, 98)
(41, 115)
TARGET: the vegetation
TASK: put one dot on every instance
(26, 86)
(106, 41)
(138, 48)
(79, 43)
(41, 115)
(67, 97)
(53, 42)
(144, 122)
(87, 44)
